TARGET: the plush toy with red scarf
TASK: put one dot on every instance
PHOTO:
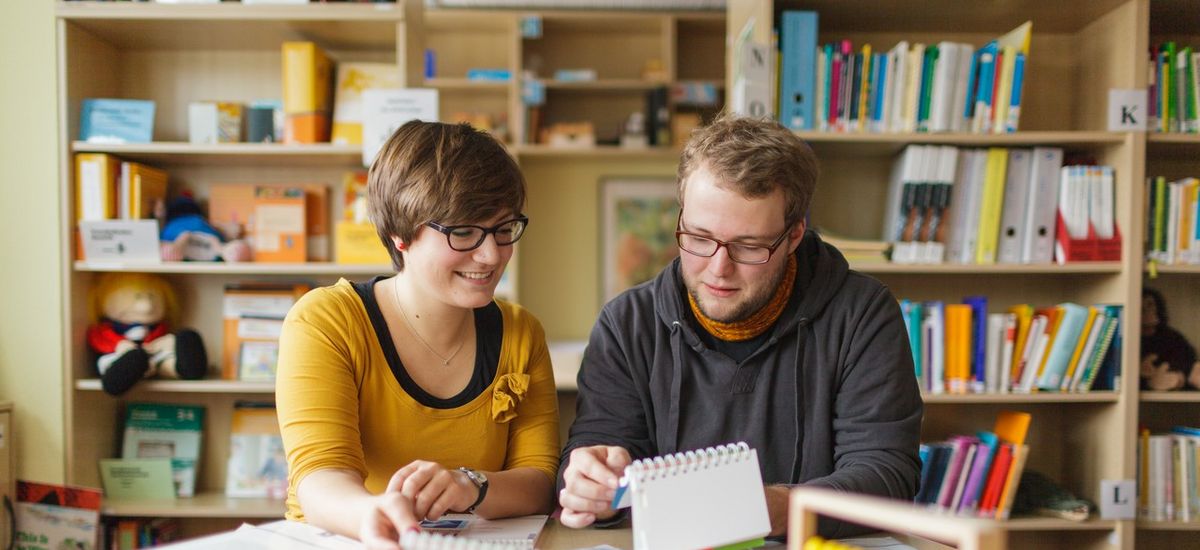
(132, 339)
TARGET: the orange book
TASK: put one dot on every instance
(252, 316)
(231, 208)
(1004, 507)
(1012, 426)
(278, 229)
(958, 347)
(306, 128)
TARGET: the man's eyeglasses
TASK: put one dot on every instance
(707, 247)
(464, 238)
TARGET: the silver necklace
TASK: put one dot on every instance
(403, 315)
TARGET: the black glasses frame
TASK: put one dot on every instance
(679, 233)
(447, 230)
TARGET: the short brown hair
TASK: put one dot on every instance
(754, 156)
(448, 173)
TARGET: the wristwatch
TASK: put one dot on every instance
(481, 482)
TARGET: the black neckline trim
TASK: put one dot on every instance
(489, 330)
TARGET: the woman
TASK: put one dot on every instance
(408, 397)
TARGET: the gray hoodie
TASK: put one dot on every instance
(829, 399)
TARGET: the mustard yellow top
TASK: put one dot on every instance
(341, 407)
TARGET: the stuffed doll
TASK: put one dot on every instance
(132, 337)
(1168, 360)
(187, 235)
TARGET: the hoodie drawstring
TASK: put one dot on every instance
(801, 326)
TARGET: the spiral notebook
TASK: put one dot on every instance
(697, 499)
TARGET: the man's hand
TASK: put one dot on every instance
(777, 508)
(590, 482)
(433, 490)
(390, 516)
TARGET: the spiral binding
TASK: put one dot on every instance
(660, 467)
(425, 540)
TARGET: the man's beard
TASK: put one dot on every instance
(748, 307)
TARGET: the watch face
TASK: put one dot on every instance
(477, 477)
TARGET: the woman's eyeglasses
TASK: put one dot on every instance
(464, 238)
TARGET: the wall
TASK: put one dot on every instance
(31, 352)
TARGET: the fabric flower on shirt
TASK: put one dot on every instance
(510, 390)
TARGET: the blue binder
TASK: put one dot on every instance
(798, 44)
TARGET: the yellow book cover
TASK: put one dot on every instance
(864, 89)
(1083, 336)
(1003, 96)
(358, 243)
(96, 176)
(352, 79)
(1024, 313)
(306, 78)
(1144, 472)
(993, 201)
(147, 187)
(1187, 217)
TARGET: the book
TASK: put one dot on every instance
(55, 516)
(116, 121)
(386, 110)
(231, 207)
(1012, 481)
(699, 499)
(278, 231)
(307, 81)
(257, 465)
(137, 478)
(158, 430)
(253, 316)
(96, 177)
(353, 78)
(798, 45)
(142, 191)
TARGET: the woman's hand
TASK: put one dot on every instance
(433, 489)
(390, 516)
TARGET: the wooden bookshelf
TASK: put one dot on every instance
(150, 387)
(1021, 398)
(238, 268)
(1075, 268)
(1168, 525)
(1169, 396)
(203, 505)
(182, 152)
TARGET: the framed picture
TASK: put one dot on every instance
(637, 230)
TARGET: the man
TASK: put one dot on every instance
(759, 332)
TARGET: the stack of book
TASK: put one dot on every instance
(998, 205)
(976, 475)
(942, 87)
(1174, 91)
(1173, 221)
(1168, 469)
(961, 348)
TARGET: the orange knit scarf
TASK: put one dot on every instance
(754, 325)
